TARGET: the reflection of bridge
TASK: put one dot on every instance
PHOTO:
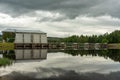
(11, 46)
(62, 46)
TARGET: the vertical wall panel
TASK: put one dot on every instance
(19, 38)
(27, 38)
(36, 38)
(43, 38)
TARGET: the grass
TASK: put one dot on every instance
(5, 61)
(6, 46)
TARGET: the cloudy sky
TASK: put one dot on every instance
(60, 18)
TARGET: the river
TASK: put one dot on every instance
(62, 65)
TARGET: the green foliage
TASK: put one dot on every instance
(111, 54)
(5, 62)
(113, 37)
(8, 36)
(0, 39)
(6, 46)
(104, 40)
(73, 38)
(10, 54)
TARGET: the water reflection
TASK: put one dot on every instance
(112, 54)
(30, 54)
(63, 64)
(37, 54)
(63, 75)
(22, 55)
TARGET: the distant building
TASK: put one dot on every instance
(27, 36)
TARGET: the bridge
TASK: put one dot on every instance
(86, 46)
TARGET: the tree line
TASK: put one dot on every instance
(113, 37)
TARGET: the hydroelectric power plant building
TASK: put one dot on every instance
(36, 39)
(28, 38)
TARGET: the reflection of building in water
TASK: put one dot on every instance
(24, 54)
(1, 55)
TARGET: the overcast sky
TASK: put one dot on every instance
(60, 18)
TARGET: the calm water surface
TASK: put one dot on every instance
(62, 65)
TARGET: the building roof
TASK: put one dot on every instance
(23, 31)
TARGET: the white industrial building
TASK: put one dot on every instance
(28, 36)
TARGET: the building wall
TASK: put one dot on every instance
(36, 38)
(30, 38)
(27, 38)
(19, 38)
(43, 38)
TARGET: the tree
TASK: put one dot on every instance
(114, 37)
(8, 36)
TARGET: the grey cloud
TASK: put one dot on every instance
(19, 7)
(71, 8)
(75, 16)
(51, 19)
(13, 10)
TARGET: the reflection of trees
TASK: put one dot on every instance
(5, 62)
(112, 54)
(9, 54)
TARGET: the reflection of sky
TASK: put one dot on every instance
(64, 62)
(81, 64)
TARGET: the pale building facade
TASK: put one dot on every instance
(28, 36)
